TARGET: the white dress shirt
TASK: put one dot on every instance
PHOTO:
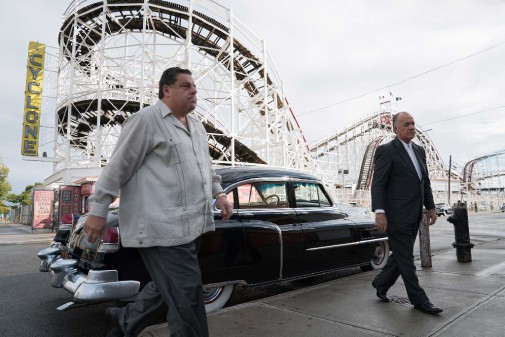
(412, 155)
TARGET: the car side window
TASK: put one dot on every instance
(262, 195)
(310, 195)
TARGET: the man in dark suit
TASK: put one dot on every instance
(400, 188)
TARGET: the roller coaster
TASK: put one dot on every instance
(112, 53)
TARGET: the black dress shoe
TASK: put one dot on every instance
(112, 322)
(428, 308)
(381, 293)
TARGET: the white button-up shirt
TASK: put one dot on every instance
(412, 155)
(166, 180)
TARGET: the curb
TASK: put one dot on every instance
(26, 242)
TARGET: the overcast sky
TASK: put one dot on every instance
(446, 56)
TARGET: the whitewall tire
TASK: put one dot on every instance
(380, 257)
(216, 297)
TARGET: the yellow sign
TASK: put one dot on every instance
(33, 99)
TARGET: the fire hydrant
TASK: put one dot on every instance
(459, 219)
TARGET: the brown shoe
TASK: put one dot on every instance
(112, 322)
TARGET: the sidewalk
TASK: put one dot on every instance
(471, 294)
(15, 233)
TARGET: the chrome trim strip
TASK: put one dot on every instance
(281, 246)
(283, 179)
(348, 244)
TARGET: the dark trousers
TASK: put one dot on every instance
(175, 291)
(401, 262)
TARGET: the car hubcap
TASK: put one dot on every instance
(211, 294)
(379, 254)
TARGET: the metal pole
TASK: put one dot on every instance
(449, 183)
(424, 241)
(234, 109)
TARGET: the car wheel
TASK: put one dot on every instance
(216, 297)
(380, 257)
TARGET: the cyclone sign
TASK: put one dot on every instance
(33, 99)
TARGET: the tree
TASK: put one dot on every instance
(5, 187)
(13, 199)
(25, 197)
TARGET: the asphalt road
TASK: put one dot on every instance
(28, 305)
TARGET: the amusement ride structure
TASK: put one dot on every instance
(112, 53)
(485, 174)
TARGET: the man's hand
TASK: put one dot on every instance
(432, 216)
(225, 206)
(381, 222)
(94, 227)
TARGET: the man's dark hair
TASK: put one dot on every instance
(169, 77)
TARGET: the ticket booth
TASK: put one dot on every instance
(69, 203)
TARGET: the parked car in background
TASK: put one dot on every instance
(443, 209)
(284, 226)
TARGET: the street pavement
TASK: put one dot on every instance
(472, 295)
(14, 234)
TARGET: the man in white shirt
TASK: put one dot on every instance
(162, 166)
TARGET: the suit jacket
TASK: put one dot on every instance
(396, 187)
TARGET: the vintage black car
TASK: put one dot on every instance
(284, 226)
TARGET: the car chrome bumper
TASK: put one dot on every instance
(97, 286)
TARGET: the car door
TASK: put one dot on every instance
(221, 255)
(329, 238)
(273, 238)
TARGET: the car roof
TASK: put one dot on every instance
(231, 175)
